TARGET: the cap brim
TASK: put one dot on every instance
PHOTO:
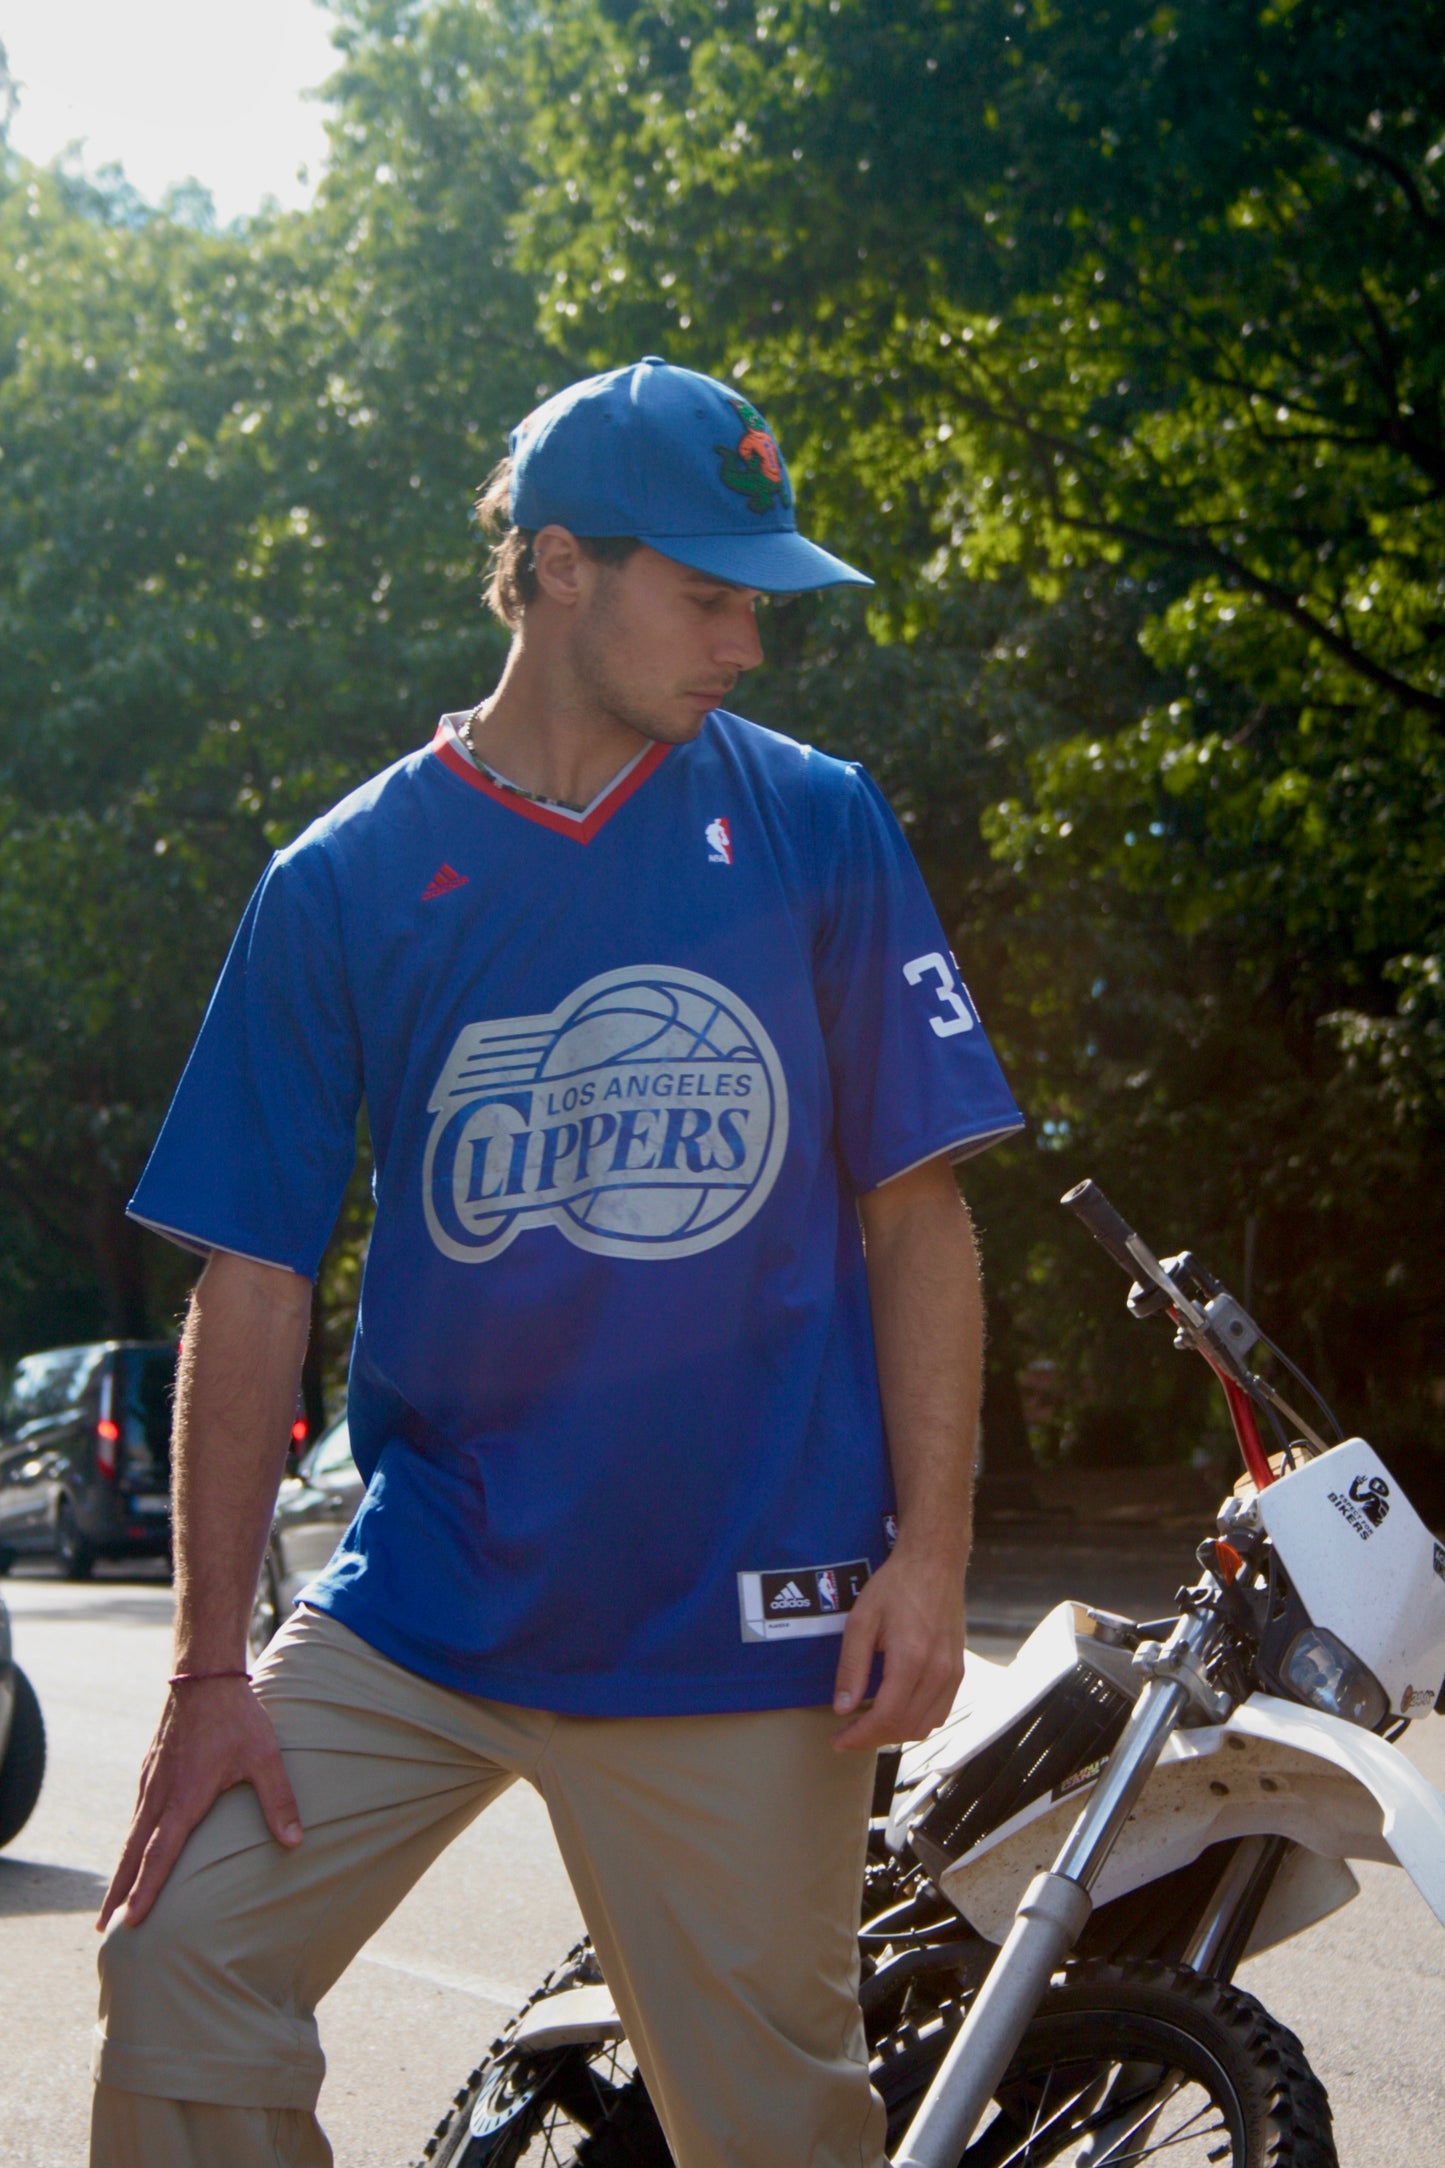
(777, 563)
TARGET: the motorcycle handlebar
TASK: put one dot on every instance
(1105, 1224)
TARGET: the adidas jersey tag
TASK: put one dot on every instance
(794, 1603)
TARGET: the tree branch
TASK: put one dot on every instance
(1207, 551)
(1185, 543)
(1373, 155)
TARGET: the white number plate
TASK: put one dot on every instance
(151, 1502)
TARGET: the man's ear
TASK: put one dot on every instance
(562, 569)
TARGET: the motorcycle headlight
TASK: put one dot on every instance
(1323, 1672)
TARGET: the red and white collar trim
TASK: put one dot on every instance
(581, 827)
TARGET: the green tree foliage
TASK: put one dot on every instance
(236, 576)
(1157, 280)
(1110, 337)
(1160, 290)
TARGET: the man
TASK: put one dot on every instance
(650, 1011)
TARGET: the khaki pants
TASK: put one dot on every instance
(717, 1860)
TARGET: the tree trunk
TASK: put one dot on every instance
(1006, 1482)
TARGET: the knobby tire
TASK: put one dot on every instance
(1143, 2061)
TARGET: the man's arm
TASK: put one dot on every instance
(244, 1342)
(927, 1304)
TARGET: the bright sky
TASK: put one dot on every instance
(175, 90)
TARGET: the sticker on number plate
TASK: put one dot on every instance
(792, 1603)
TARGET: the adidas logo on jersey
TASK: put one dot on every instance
(790, 1598)
(443, 881)
(719, 839)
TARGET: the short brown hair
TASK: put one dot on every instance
(511, 581)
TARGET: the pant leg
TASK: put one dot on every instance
(719, 1863)
(140, 2130)
(212, 1999)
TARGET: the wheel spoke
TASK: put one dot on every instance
(1184, 2133)
(1062, 2121)
(1038, 2130)
(1144, 2115)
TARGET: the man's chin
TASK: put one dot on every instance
(679, 727)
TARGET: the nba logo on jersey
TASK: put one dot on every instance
(719, 841)
(828, 1589)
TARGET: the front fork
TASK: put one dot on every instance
(1056, 1905)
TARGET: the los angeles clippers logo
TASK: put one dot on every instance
(646, 1116)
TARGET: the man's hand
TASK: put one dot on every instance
(927, 1308)
(214, 1734)
(911, 1611)
(236, 1390)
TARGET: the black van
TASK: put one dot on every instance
(85, 1454)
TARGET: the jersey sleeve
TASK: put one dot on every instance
(257, 1148)
(913, 1074)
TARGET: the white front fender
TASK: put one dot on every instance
(1412, 1811)
(1273, 1769)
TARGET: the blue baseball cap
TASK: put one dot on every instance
(679, 460)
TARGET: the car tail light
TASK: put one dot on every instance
(107, 1437)
(300, 1430)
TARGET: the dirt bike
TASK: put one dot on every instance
(1064, 1877)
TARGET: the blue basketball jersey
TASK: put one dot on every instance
(626, 1073)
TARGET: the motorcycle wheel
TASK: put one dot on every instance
(22, 1765)
(1128, 2063)
(584, 2102)
(1123, 2064)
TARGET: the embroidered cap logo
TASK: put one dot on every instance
(754, 466)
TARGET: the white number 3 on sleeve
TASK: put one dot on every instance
(948, 993)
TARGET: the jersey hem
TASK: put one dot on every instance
(956, 1148)
(614, 1693)
(199, 1246)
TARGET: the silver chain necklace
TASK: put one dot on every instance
(536, 797)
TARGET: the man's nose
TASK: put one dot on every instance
(741, 647)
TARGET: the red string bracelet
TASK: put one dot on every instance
(189, 1678)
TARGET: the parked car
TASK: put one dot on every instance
(22, 1741)
(85, 1454)
(313, 1510)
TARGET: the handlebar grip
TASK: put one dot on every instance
(1103, 1223)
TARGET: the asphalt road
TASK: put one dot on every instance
(1363, 1990)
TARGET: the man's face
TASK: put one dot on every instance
(657, 645)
